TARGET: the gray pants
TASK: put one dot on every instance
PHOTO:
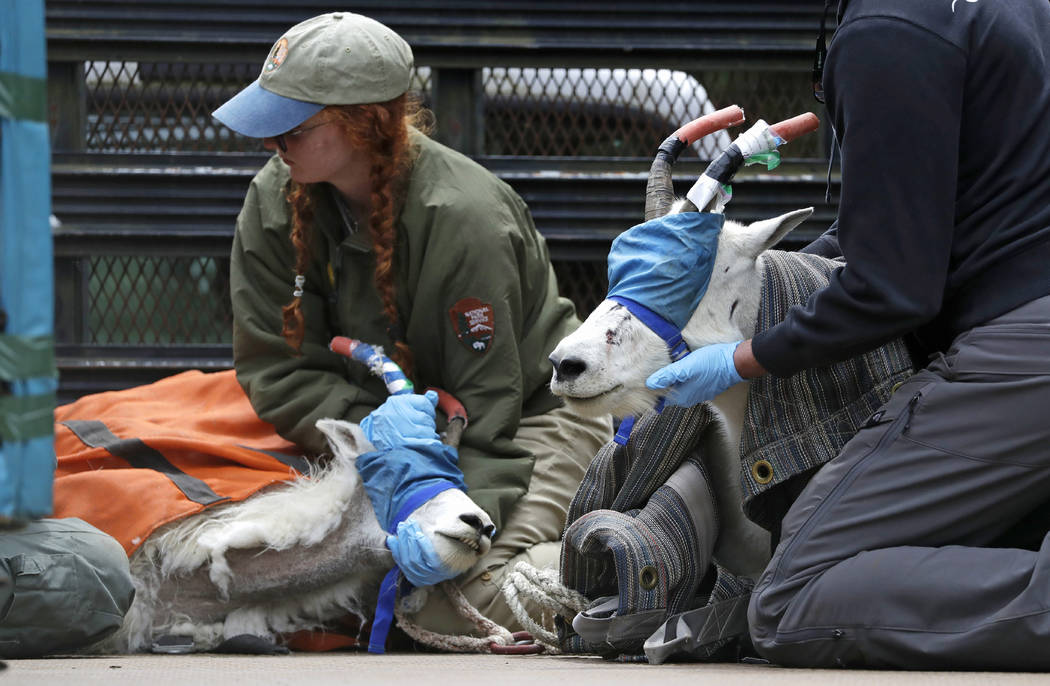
(63, 585)
(888, 558)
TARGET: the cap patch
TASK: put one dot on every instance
(277, 55)
(474, 323)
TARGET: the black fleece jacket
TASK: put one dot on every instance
(941, 109)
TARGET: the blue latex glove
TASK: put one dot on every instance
(415, 555)
(403, 420)
(699, 376)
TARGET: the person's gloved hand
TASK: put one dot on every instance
(415, 555)
(403, 420)
(699, 376)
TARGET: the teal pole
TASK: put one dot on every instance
(28, 379)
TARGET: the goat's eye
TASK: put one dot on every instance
(732, 307)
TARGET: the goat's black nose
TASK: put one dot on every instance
(568, 369)
(479, 526)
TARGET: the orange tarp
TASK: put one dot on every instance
(202, 424)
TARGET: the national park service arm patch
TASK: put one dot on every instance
(474, 323)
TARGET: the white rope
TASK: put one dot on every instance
(459, 644)
(544, 588)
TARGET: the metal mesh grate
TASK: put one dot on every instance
(145, 107)
(583, 282)
(769, 95)
(139, 107)
(158, 300)
(156, 107)
(589, 112)
(186, 300)
(159, 107)
(629, 112)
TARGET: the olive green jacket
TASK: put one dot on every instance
(462, 234)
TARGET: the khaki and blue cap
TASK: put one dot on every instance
(338, 58)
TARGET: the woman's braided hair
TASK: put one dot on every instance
(379, 130)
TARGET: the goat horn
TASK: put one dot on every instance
(659, 190)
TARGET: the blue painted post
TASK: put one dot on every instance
(27, 368)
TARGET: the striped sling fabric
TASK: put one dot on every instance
(794, 425)
(641, 529)
(633, 542)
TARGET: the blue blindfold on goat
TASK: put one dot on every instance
(400, 479)
(665, 264)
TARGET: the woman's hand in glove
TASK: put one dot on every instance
(403, 420)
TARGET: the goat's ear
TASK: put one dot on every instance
(764, 234)
(344, 435)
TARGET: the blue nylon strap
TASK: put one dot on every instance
(668, 332)
(388, 589)
(672, 338)
(623, 432)
(414, 501)
(384, 612)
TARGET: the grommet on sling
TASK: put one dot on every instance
(762, 471)
(648, 577)
(300, 281)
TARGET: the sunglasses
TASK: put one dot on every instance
(282, 144)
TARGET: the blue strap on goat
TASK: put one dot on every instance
(398, 481)
(671, 334)
(388, 588)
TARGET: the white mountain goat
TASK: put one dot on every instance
(292, 557)
(602, 367)
(777, 431)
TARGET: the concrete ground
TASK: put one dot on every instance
(424, 669)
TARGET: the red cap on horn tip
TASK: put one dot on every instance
(709, 123)
(790, 129)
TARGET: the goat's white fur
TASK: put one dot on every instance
(185, 583)
(616, 353)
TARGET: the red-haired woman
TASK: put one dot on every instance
(362, 226)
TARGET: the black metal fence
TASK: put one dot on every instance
(565, 101)
(149, 107)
